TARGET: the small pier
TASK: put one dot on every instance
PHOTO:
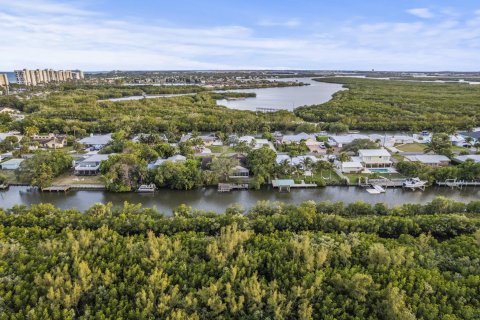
(266, 110)
(454, 183)
(284, 185)
(57, 188)
(227, 187)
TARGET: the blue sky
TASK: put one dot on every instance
(213, 34)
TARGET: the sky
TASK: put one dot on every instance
(100, 35)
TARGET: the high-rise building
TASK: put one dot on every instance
(35, 77)
(4, 80)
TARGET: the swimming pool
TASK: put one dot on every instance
(379, 170)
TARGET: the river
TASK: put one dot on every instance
(166, 200)
(285, 98)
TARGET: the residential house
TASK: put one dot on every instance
(342, 140)
(350, 166)
(11, 164)
(91, 165)
(239, 172)
(256, 143)
(375, 158)
(474, 136)
(474, 157)
(160, 161)
(96, 141)
(50, 141)
(433, 160)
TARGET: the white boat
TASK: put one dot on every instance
(147, 188)
(415, 183)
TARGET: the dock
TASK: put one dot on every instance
(454, 183)
(284, 185)
(266, 110)
(227, 187)
(57, 188)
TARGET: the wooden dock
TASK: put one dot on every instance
(227, 187)
(284, 185)
(454, 183)
(265, 110)
(57, 188)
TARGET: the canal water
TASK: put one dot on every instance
(166, 200)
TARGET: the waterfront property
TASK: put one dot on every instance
(160, 161)
(375, 158)
(91, 165)
(239, 172)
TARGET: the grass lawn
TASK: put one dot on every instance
(353, 177)
(329, 176)
(411, 147)
(221, 149)
(10, 174)
(72, 179)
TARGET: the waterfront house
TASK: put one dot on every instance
(96, 141)
(433, 160)
(375, 158)
(90, 166)
(50, 141)
(160, 161)
(11, 164)
(474, 157)
(239, 172)
(350, 166)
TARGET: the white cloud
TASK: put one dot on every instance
(289, 23)
(423, 13)
(78, 38)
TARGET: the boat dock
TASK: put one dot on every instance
(284, 185)
(68, 187)
(454, 183)
(265, 110)
(227, 187)
(57, 188)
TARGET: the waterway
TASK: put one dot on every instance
(210, 199)
(285, 98)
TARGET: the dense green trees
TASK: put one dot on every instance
(181, 175)
(312, 261)
(261, 163)
(468, 170)
(123, 172)
(398, 105)
(42, 167)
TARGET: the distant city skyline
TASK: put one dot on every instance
(423, 35)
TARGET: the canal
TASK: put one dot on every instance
(166, 200)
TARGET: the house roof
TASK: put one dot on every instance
(474, 134)
(373, 153)
(344, 139)
(97, 139)
(297, 137)
(352, 164)
(240, 168)
(97, 158)
(428, 158)
(474, 157)
(12, 162)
